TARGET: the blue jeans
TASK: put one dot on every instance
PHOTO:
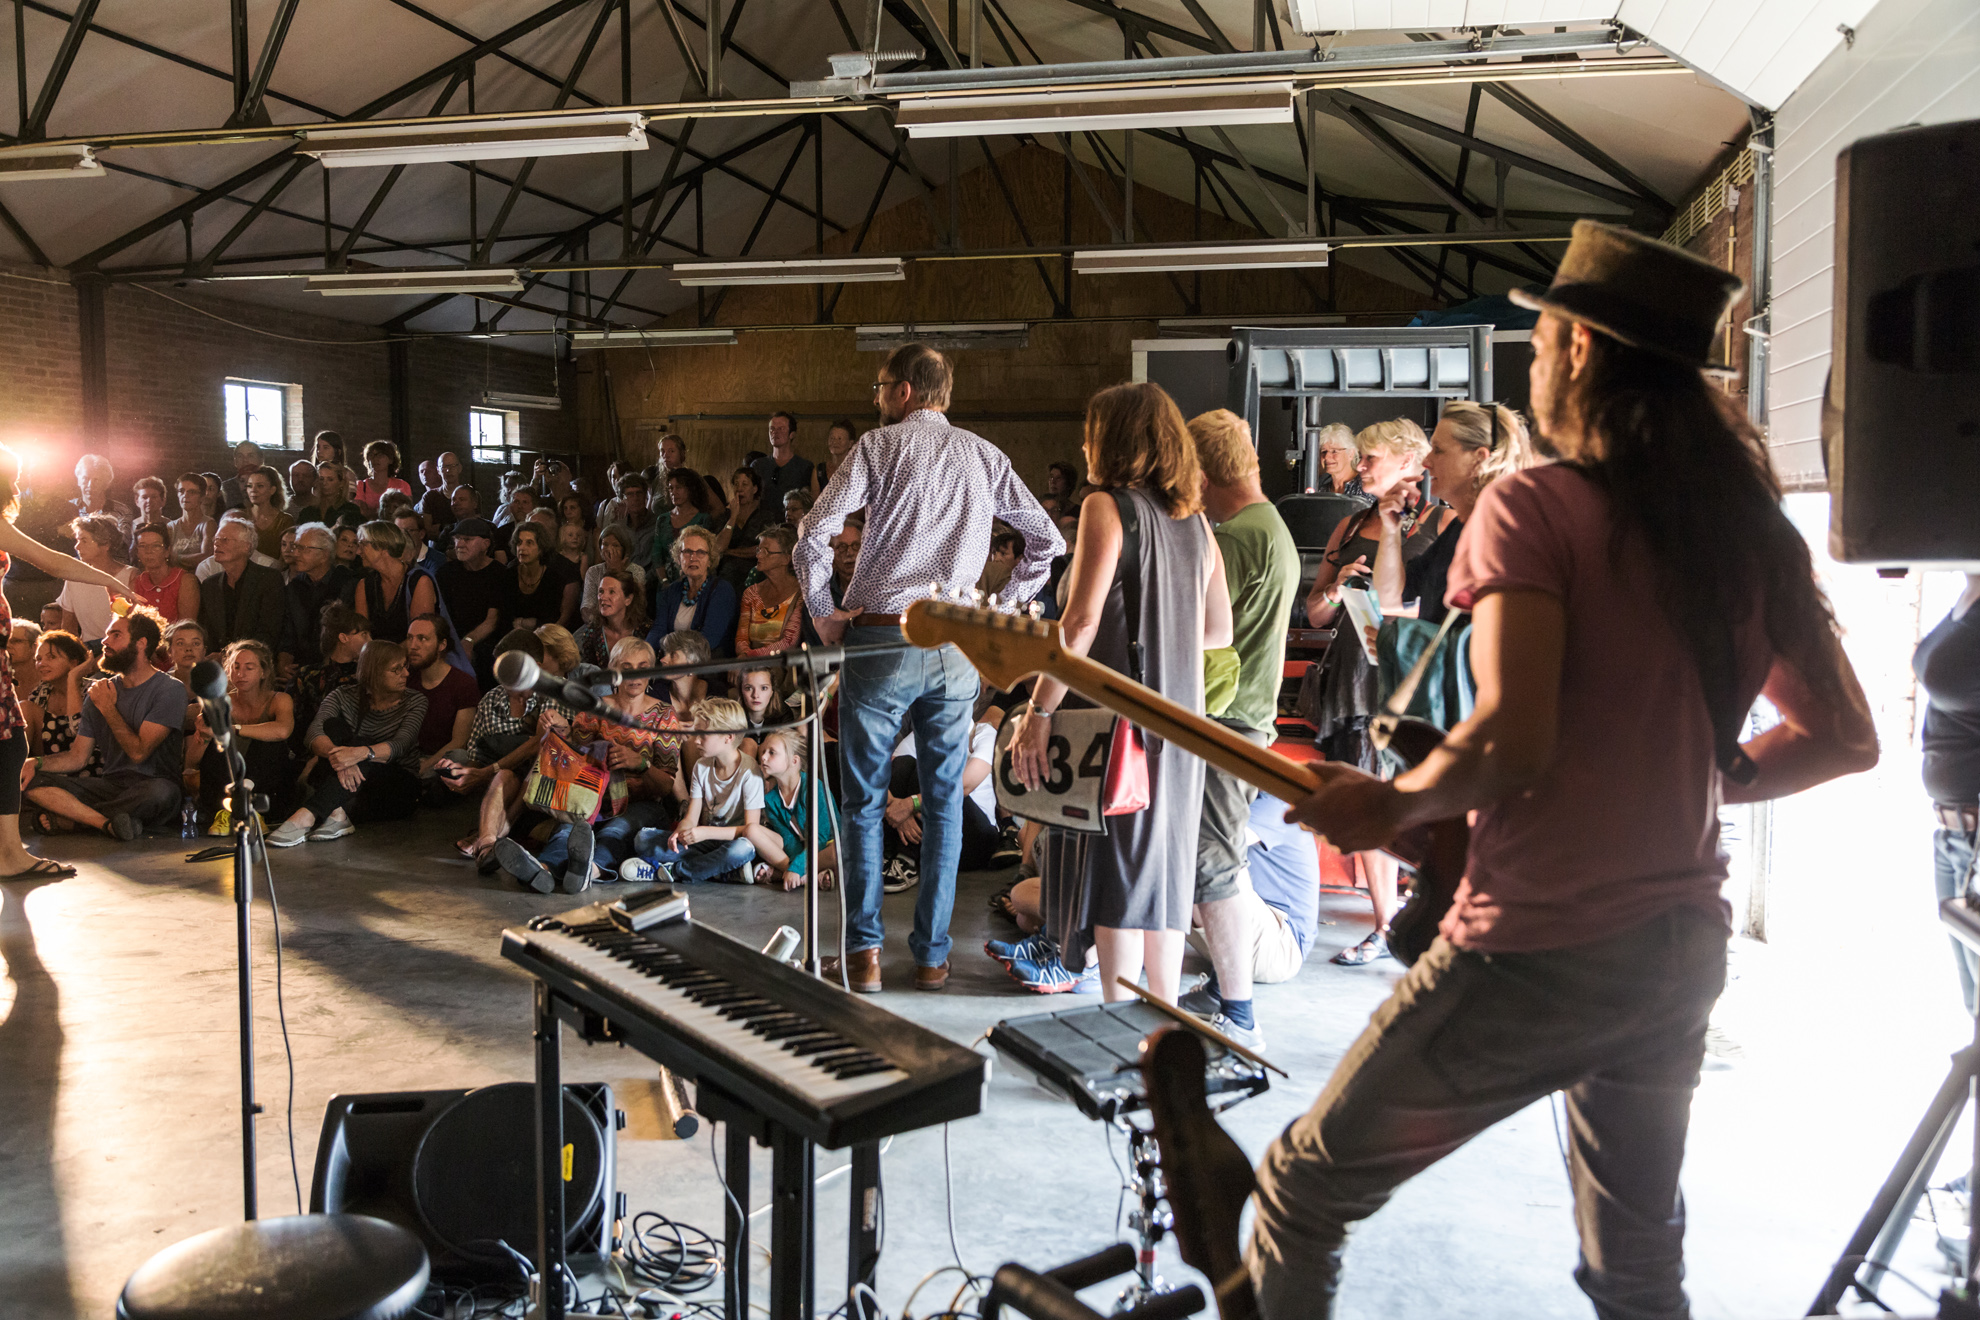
(1952, 871)
(612, 838)
(933, 692)
(697, 861)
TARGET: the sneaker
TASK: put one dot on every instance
(332, 828)
(223, 824)
(1251, 1037)
(577, 870)
(1048, 976)
(1008, 852)
(1202, 1003)
(900, 874)
(639, 871)
(514, 859)
(735, 875)
(286, 835)
(1032, 948)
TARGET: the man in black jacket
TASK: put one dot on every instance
(243, 599)
(319, 580)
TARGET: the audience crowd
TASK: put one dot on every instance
(358, 609)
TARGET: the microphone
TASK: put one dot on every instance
(209, 685)
(517, 672)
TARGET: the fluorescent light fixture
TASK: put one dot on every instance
(980, 334)
(504, 399)
(50, 163)
(651, 338)
(815, 270)
(343, 146)
(1037, 111)
(1205, 256)
(445, 279)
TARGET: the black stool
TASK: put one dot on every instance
(298, 1267)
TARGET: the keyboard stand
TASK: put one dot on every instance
(793, 1174)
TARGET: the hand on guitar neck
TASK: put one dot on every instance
(1355, 811)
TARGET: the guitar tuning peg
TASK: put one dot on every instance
(994, 602)
(976, 596)
(1035, 610)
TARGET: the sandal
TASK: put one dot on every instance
(1001, 905)
(467, 848)
(1371, 949)
(43, 868)
(827, 881)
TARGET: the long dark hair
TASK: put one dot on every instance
(1688, 472)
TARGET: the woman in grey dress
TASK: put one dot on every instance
(1127, 893)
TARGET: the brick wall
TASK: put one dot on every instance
(170, 351)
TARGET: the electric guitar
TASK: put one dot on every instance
(1007, 648)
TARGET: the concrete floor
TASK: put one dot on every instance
(118, 1075)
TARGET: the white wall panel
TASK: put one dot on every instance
(1440, 15)
(1914, 61)
(1761, 49)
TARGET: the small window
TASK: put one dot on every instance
(495, 437)
(264, 413)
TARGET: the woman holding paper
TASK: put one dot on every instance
(1343, 692)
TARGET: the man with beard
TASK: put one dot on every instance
(450, 694)
(136, 716)
(473, 588)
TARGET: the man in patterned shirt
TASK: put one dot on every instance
(931, 492)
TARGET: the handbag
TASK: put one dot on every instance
(1126, 788)
(566, 784)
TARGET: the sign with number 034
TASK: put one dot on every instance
(1070, 795)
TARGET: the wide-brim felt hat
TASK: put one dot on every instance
(1649, 295)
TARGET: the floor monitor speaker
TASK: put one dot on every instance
(458, 1169)
(1901, 424)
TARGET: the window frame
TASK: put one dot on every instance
(290, 423)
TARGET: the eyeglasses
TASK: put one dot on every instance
(694, 554)
(879, 385)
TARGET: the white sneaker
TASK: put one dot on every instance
(287, 835)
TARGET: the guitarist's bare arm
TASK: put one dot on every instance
(1517, 642)
(1816, 740)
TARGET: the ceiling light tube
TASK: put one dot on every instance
(442, 280)
(50, 163)
(344, 146)
(652, 338)
(1068, 112)
(817, 270)
(1234, 256)
(505, 399)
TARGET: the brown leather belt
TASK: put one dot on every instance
(1961, 820)
(876, 621)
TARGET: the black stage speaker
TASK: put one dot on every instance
(458, 1168)
(1901, 427)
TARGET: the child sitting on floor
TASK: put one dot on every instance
(725, 799)
(756, 689)
(780, 841)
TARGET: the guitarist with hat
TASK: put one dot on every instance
(1623, 624)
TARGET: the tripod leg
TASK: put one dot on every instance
(1876, 1237)
(863, 1236)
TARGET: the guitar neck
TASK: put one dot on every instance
(1231, 752)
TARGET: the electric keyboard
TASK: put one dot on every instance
(804, 1054)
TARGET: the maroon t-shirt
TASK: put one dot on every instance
(455, 692)
(1624, 823)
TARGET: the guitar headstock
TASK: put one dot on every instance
(1005, 648)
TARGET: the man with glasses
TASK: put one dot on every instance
(319, 580)
(931, 492)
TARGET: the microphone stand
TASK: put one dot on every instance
(812, 662)
(241, 805)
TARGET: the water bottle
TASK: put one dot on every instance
(189, 820)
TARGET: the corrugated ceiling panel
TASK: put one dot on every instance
(1913, 61)
(1762, 49)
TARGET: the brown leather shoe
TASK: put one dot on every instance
(931, 978)
(862, 970)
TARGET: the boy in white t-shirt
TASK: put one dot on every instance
(725, 798)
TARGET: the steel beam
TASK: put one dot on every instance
(1152, 26)
(249, 108)
(550, 13)
(1210, 29)
(296, 167)
(21, 236)
(763, 216)
(36, 127)
(1470, 142)
(1059, 304)
(1524, 106)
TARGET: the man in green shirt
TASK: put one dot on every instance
(1261, 564)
